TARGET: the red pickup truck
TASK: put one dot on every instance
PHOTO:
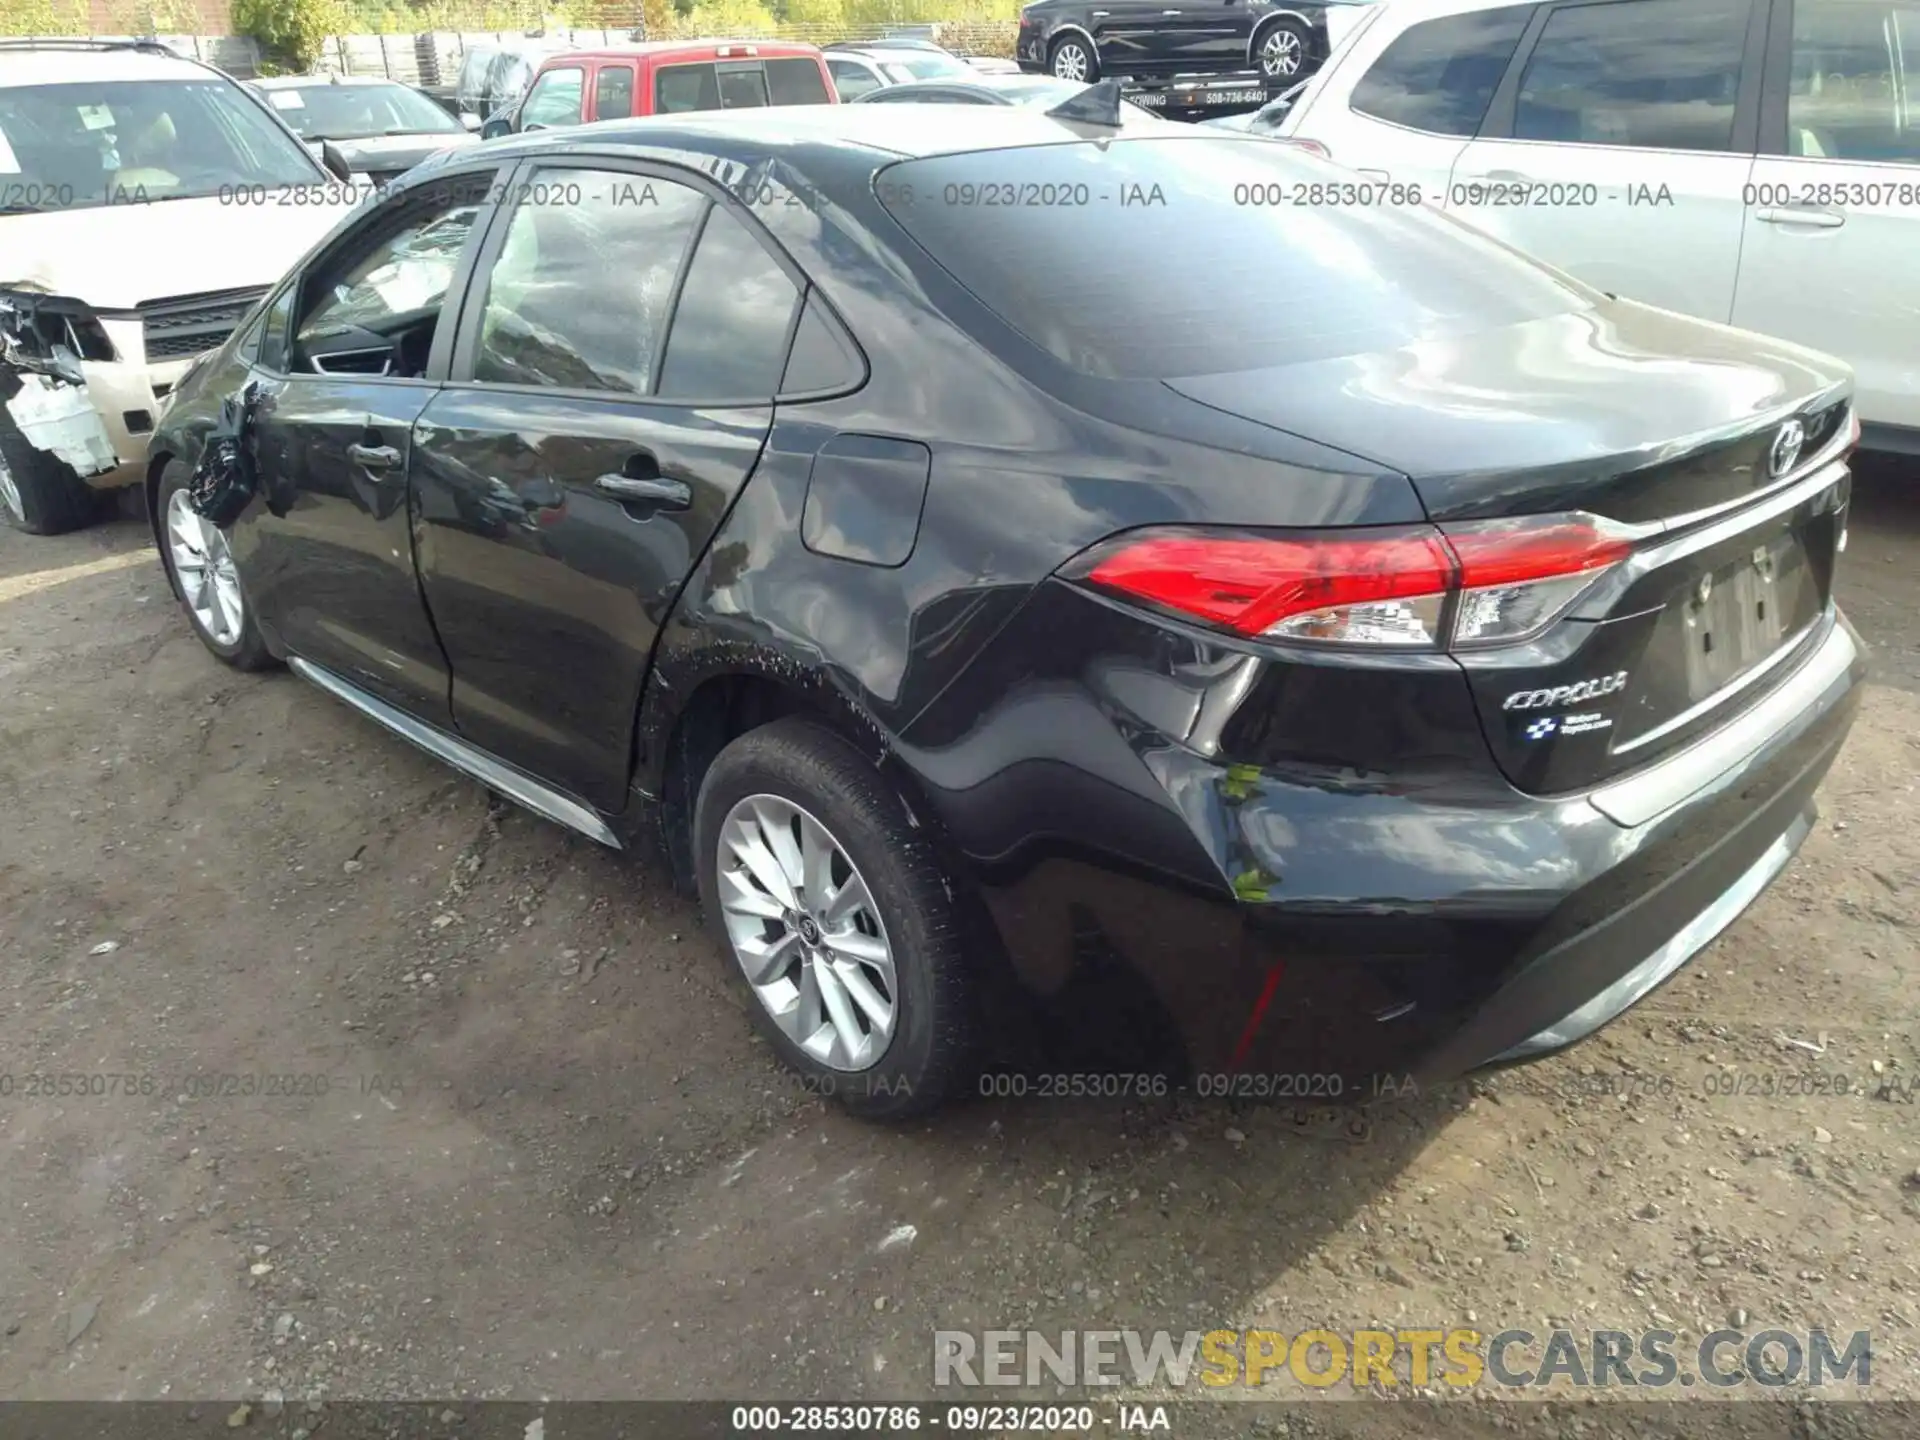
(669, 77)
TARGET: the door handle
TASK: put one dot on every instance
(1801, 215)
(374, 457)
(1169, 12)
(1503, 177)
(651, 490)
(1379, 177)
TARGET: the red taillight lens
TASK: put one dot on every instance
(1419, 586)
(1312, 147)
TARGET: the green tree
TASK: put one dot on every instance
(290, 32)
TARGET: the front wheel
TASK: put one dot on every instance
(201, 568)
(1072, 59)
(838, 918)
(1282, 50)
(39, 492)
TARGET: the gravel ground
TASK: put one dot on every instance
(512, 1136)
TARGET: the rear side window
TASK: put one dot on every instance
(613, 93)
(680, 88)
(729, 337)
(1092, 282)
(579, 295)
(1653, 74)
(796, 81)
(1440, 75)
(1856, 68)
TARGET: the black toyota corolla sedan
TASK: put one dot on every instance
(998, 593)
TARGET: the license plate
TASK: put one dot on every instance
(1738, 615)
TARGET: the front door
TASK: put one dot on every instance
(612, 386)
(331, 558)
(1619, 151)
(1832, 253)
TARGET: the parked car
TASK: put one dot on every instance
(1041, 92)
(143, 211)
(381, 127)
(1754, 162)
(1085, 39)
(668, 77)
(859, 67)
(965, 598)
(494, 77)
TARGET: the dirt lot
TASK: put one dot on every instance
(551, 1160)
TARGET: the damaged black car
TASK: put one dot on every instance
(989, 619)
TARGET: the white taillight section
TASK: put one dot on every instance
(1422, 587)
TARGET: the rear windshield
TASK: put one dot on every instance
(1195, 255)
(737, 85)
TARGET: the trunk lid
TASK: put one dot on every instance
(1720, 453)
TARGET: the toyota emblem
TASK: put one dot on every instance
(1786, 447)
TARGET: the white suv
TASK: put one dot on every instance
(146, 202)
(1754, 162)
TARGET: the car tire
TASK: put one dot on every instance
(1281, 50)
(39, 493)
(221, 614)
(1071, 58)
(797, 778)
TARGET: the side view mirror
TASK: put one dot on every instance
(471, 121)
(496, 126)
(335, 161)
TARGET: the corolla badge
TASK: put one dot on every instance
(1787, 445)
(1576, 693)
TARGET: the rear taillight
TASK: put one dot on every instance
(1424, 587)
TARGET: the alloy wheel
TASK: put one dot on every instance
(1280, 53)
(807, 933)
(209, 580)
(10, 493)
(1070, 62)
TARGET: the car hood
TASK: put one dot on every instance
(395, 152)
(118, 257)
(1480, 420)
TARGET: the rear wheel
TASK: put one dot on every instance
(838, 919)
(201, 568)
(1281, 50)
(39, 493)
(1072, 59)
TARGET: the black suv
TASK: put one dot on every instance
(1078, 40)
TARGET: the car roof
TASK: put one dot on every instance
(62, 65)
(901, 131)
(308, 82)
(690, 50)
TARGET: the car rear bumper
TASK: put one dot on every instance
(1396, 928)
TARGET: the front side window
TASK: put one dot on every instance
(579, 295)
(391, 281)
(1855, 89)
(76, 146)
(554, 99)
(852, 79)
(358, 112)
(1653, 74)
(1440, 75)
(613, 92)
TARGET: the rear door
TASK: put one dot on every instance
(1619, 147)
(1405, 101)
(1132, 37)
(613, 90)
(1832, 250)
(612, 386)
